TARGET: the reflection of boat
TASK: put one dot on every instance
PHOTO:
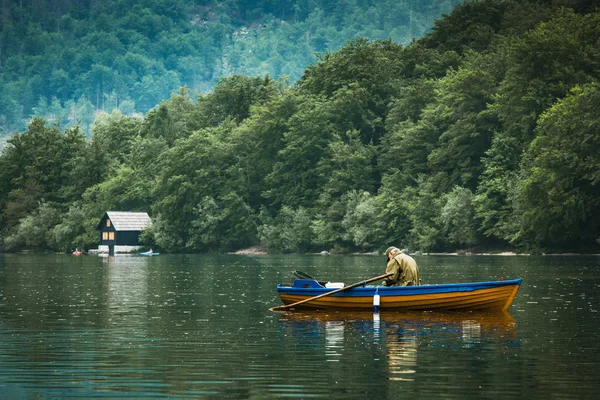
(496, 295)
(149, 253)
(466, 327)
(422, 319)
(402, 340)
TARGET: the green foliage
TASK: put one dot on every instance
(559, 189)
(352, 221)
(290, 231)
(463, 97)
(258, 140)
(162, 234)
(71, 60)
(350, 165)
(75, 230)
(362, 222)
(457, 218)
(194, 168)
(34, 230)
(114, 134)
(423, 207)
(35, 168)
(483, 132)
(232, 98)
(470, 26)
(127, 189)
(496, 192)
(221, 224)
(411, 101)
(172, 120)
(295, 179)
(362, 78)
(543, 65)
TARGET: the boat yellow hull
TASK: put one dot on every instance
(464, 297)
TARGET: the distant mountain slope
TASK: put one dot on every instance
(66, 60)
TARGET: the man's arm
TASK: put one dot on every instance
(392, 267)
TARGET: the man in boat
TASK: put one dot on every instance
(404, 267)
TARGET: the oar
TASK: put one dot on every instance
(285, 307)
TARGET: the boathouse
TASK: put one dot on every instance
(120, 231)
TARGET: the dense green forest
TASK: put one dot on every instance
(482, 134)
(66, 60)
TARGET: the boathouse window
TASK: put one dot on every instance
(111, 236)
(104, 235)
(108, 222)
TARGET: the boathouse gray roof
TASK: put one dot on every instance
(128, 221)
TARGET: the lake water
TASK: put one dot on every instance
(198, 326)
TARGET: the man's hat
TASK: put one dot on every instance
(390, 249)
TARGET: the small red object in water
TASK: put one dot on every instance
(501, 278)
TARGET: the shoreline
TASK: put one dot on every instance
(256, 250)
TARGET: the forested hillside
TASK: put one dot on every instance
(66, 60)
(483, 134)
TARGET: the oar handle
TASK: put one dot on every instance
(285, 307)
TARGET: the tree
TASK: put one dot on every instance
(457, 218)
(126, 189)
(115, 133)
(76, 229)
(289, 231)
(371, 72)
(173, 119)
(232, 98)
(466, 124)
(194, 168)
(495, 195)
(423, 206)
(37, 163)
(258, 139)
(471, 25)
(295, 180)
(362, 222)
(559, 189)
(33, 231)
(543, 66)
(350, 165)
(222, 224)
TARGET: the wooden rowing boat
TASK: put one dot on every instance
(493, 295)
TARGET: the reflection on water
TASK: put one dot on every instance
(402, 354)
(334, 339)
(471, 332)
(198, 326)
(127, 288)
(376, 328)
(404, 333)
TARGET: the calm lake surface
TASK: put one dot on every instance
(198, 326)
